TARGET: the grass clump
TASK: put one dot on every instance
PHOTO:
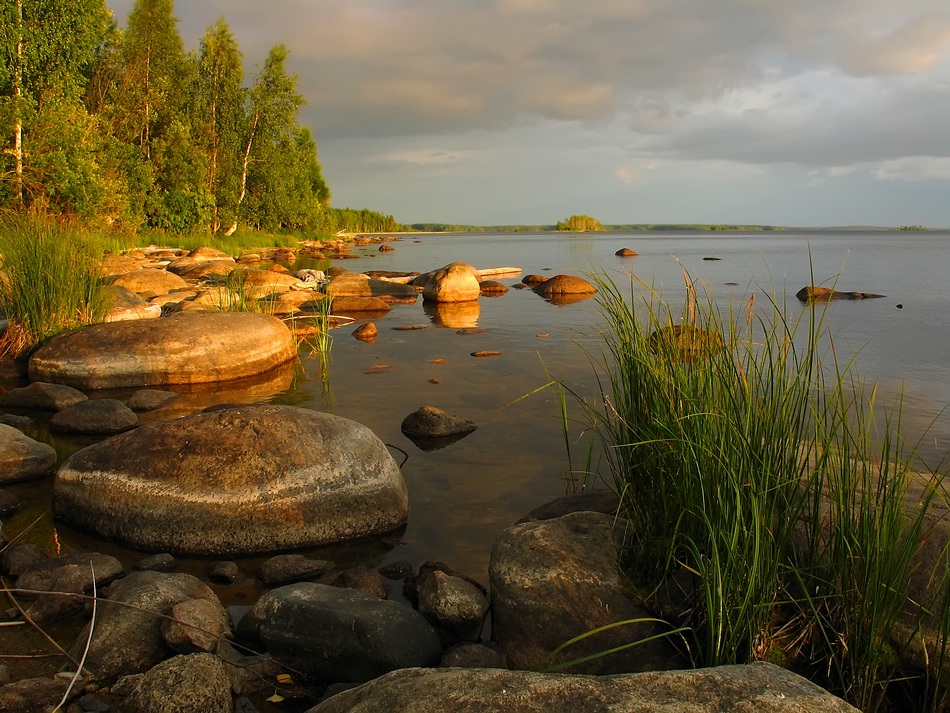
(777, 516)
(50, 279)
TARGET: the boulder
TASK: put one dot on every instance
(545, 575)
(456, 282)
(127, 637)
(120, 264)
(564, 285)
(22, 458)
(626, 252)
(184, 349)
(151, 281)
(94, 416)
(42, 396)
(359, 305)
(753, 688)
(208, 253)
(198, 683)
(335, 634)
(237, 480)
(492, 288)
(353, 284)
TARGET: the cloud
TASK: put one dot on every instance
(914, 168)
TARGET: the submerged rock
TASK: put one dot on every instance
(811, 293)
(564, 285)
(432, 422)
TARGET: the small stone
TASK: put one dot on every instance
(626, 252)
(366, 332)
(485, 353)
(282, 569)
(9, 503)
(432, 422)
(224, 572)
(543, 335)
(471, 655)
(161, 562)
(378, 369)
(409, 327)
(471, 330)
(437, 361)
(400, 569)
(365, 580)
(195, 625)
(434, 381)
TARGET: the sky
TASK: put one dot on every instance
(493, 112)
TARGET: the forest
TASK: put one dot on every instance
(121, 127)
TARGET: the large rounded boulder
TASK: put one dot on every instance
(190, 348)
(456, 282)
(239, 480)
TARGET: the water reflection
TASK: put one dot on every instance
(454, 315)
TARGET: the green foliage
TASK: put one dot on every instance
(127, 130)
(580, 224)
(51, 278)
(358, 221)
(762, 489)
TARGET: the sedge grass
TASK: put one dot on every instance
(749, 460)
(51, 278)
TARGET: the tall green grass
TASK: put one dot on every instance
(51, 278)
(776, 515)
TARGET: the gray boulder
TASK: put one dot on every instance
(198, 683)
(335, 634)
(128, 637)
(753, 688)
(189, 348)
(237, 480)
(545, 575)
(22, 458)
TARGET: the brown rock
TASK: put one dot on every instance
(565, 285)
(156, 282)
(432, 422)
(366, 332)
(626, 252)
(94, 416)
(456, 282)
(184, 349)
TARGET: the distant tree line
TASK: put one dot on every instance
(123, 127)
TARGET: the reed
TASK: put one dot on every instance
(51, 278)
(765, 488)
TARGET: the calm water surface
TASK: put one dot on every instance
(463, 495)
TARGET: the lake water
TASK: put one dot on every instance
(463, 495)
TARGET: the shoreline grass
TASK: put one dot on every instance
(50, 280)
(767, 495)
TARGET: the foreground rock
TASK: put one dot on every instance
(198, 683)
(239, 480)
(545, 575)
(128, 637)
(337, 635)
(754, 688)
(22, 458)
(188, 348)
